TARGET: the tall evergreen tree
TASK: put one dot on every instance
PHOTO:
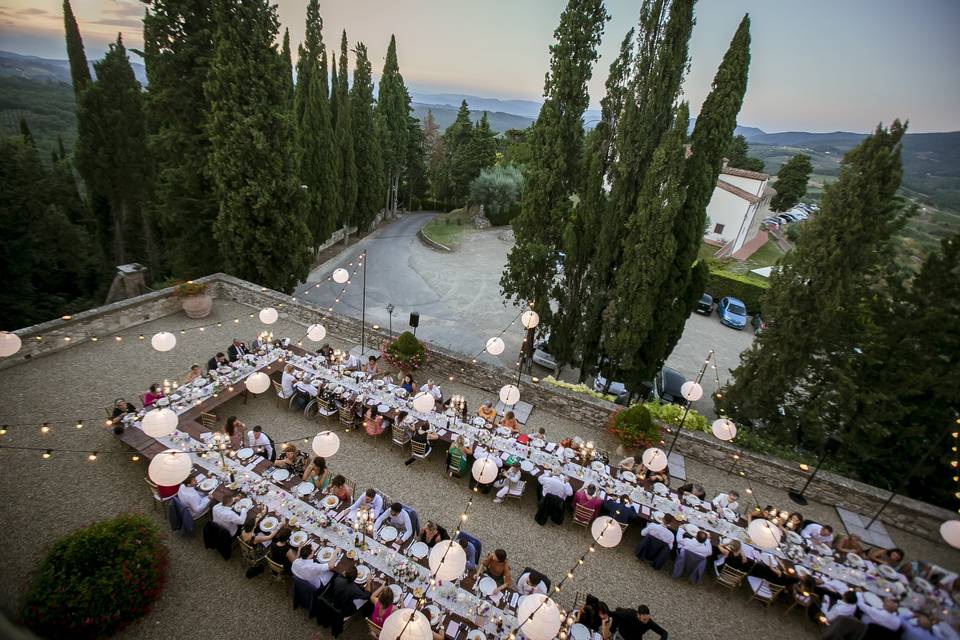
(287, 57)
(434, 149)
(415, 165)
(344, 133)
(461, 166)
(554, 173)
(112, 154)
(260, 227)
(393, 107)
(791, 182)
(315, 139)
(738, 155)
(178, 48)
(366, 142)
(484, 144)
(79, 69)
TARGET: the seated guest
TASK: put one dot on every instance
(589, 498)
(699, 545)
(382, 600)
(256, 343)
(326, 351)
(371, 367)
(287, 380)
(848, 544)
(628, 464)
(191, 498)
(818, 533)
(345, 594)
(487, 412)
(431, 534)
(620, 509)
(224, 515)
(886, 617)
(317, 473)
(731, 554)
(121, 407)
(845, 606)
(496, 566)
(248, 533)
(193, 374)
(338, 487)
(433, 390)
(794, 522)
(661, 531)
(369, 500)
(470, 551)
(592, 614)
(727, 500)
(167, 491)
(373, 422)
(236, 350)
(459, 447)
(695, 490)
(407, 383)
(510, 422)
(234, 432)
(663, 476)
(292, 459)
(633, 624)
(892, 557)
(540, 435)
(260, 442)
(216, 361)
(918, 627)
(531, 582)
(317, 574)
(805, 591)
(352, 363)
(152, 395)
(424, 434)
(280, 550)
(398, 518)
(511, 480)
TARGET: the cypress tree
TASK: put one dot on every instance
(178, 48)
(791, 182)
(79, 69)
(415, 173)
(316, 143)
(260, 227)
(287, 57)
(366, 142)
(435, 152)
(484, 145)
(393, 109)
(344, 134)
(554, 173)
(738, 155)
(458, 141)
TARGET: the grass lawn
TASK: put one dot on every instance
(447, 228)
(766, 256)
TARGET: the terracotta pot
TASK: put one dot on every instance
(197, 306)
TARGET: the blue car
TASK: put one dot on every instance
(733, 312)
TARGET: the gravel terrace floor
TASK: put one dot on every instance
(206, 597)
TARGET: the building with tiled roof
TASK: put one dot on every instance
(739, 203)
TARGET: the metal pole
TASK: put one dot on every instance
(799, 497)
(363, 306)
(893, 494)
(686, 409)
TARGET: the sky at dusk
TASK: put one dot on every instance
(817, 65)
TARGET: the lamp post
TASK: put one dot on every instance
(363, 304)
(832, 445)
(390, 309)
(686, 410)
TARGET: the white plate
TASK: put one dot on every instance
(854, 560)
(476, 634)
(268, 524)
(419, 550)
(304, 489)
(388, 534)
(434, 612)
(363, 571)
(330, 502)
(209, 484)
(660, 489)
(537, 443)
(244, 453)
(326, 554)
(730, 514)
(692, 500)
(298, 538)
(383, 408)
(802, 571)
(887, 571)
(478, 422)
(176, 397)
(503, 431)
(824, 550)
(163, 402)
(628, 476)
(579, 632)
(487, 585)
(596, 465)
(279, 475)
(526, 465)
(873, 599)
(691, 528)
(658, 516)
(794, 537)
(924, 586)
(397, 592)
(243, 503)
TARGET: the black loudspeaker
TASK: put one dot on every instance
(832, 445)
(415, 319)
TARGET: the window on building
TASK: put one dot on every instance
(718, 228)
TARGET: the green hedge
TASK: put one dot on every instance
(97, 580)
(748, 289)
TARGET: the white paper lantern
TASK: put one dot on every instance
(691, 391)
(159, 422)
(542, 625)
(326, 443)
(764, 533)
(316, 332)
(484, 470)
(340, 276)
(258, 382)
(447, 560)
(424, 402)
(9, 344)
(606, 531)
(163, 341)
(530, 319)
(509, 395)
(495, 346)
(654, 459)
(724, 429)
(406, 624)
(169, 468)
(268, 315)
(950, 531)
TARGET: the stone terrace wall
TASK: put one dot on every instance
(911, 515)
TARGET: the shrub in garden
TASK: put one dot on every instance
(634, 427)
(96, 580)
(405, 352)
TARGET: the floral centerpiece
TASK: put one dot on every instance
(634, 427)
(406, 353)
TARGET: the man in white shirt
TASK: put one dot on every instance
(398, 518)
(287, 380)
(727, 500)
(886, 617)
(818, 533)
(369, 500)
(318, 574)
(226, 517)
(847, 606)
(191, 498)
(555, 484)
(259, 442)
(531, 582)
(352, 363)
(660, 531)
(308, 388)
(433, 390)
(700, 545)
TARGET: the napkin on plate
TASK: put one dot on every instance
(201, 477)
(550, 447)
(453, 629)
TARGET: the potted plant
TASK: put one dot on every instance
(193, 295)
(634, 427)
(406, 353)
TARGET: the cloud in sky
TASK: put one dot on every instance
(817, 65)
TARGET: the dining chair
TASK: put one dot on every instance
(346, 417)
(454, 464)
(730, 578)
(516, 490)
(763, 591)
(582, 515)
(374, 629)
(250, 555)
(801, 598)
(155, 490)
(208, 420)
(275, 568)
(420, 450)
(278, 389)
(400, 435)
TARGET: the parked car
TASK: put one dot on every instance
(705, 304)
(772, 220)
(541, 356)
(733, 312)
(665, 387)
(784, 219)
(792, 217)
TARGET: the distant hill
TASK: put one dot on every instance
(34, 68)
(444, 115)
(525, 108)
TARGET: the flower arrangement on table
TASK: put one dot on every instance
(405, 352)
